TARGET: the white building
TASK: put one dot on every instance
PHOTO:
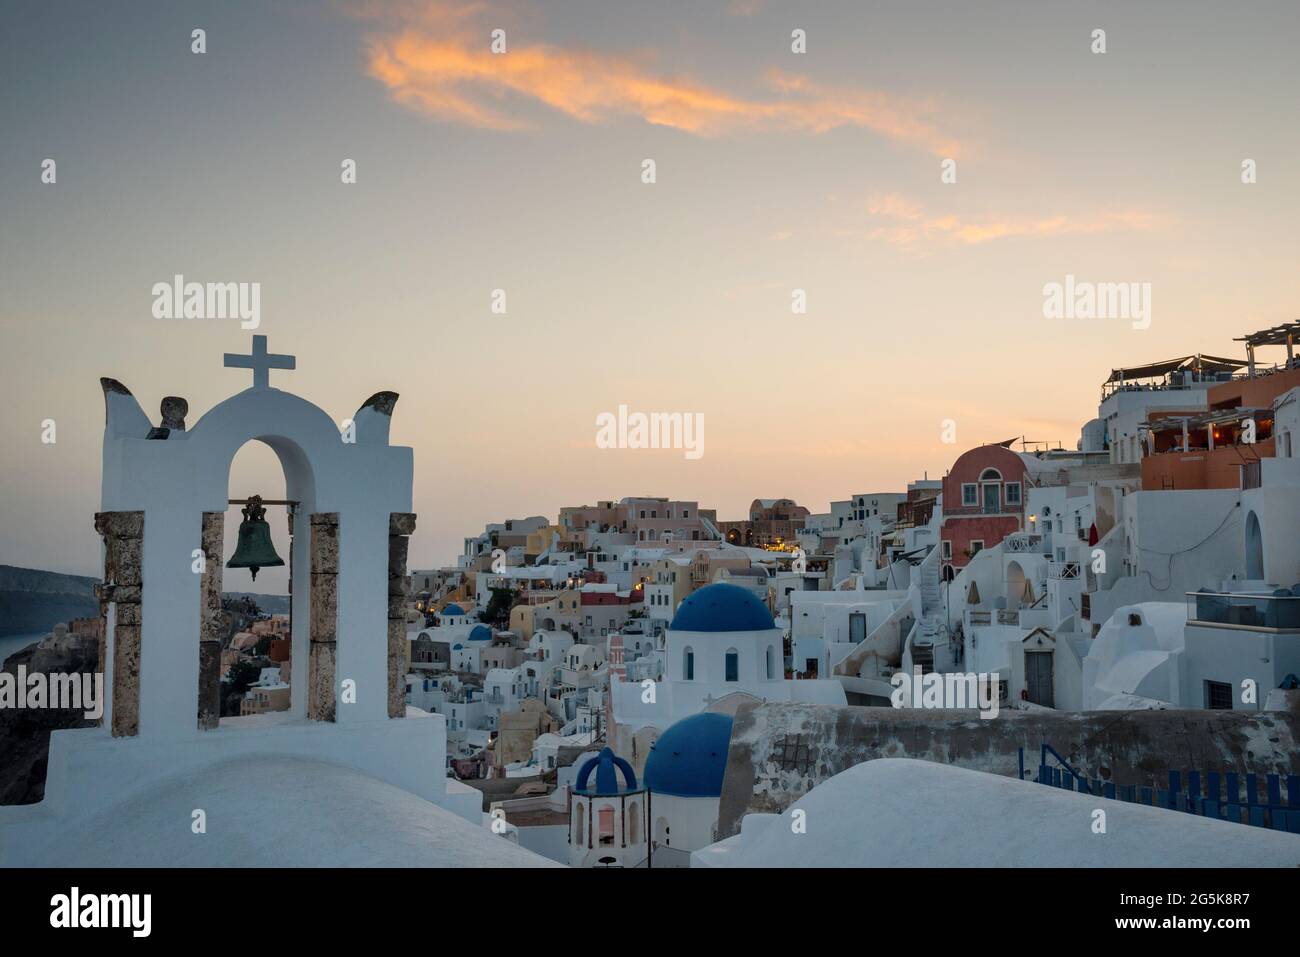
(721, 648)
(1218, 650)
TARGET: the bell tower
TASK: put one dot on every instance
(164, 499)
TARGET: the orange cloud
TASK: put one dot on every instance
(434, 60)
(910, 226)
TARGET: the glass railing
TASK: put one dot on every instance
(1281, 609)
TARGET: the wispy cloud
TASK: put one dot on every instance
(903, 223)
(435, 59)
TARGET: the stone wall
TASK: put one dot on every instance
(400, 526)
(779, 752)
(123, 534)
(321, 694)
(212, 624)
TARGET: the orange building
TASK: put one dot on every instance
(1220, 448)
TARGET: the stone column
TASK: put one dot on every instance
(400, 525)
(210, 620)
(123, 534)
(321, 693)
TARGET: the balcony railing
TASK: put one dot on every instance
(1062, 570)
(1280, 610)
(1024, 542)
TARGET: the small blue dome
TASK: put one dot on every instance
(607, 766)
(689, 759)
(480, 633)
(457, 647)
(722, 607)
(452, 609)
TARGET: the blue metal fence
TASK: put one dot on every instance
(1207, 794)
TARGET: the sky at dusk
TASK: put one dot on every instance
(521, 171)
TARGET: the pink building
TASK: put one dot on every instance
(983, 502)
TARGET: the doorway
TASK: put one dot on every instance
(1038, 678)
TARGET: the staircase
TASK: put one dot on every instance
(931, 627)
(923, 655)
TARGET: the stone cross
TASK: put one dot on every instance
(260, 362)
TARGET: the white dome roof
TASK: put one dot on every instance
(902, 812)
(282, 812)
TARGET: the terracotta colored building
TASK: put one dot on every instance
(983, 502)
(772, 521)
(1211, 449)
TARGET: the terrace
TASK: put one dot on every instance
(1182, 373)
(1276, 611)
(1202, 371)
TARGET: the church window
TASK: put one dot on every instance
(634, 823)
(733, 665)
(688, 665)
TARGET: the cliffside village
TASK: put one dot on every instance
(1153, 566)
(640, 683)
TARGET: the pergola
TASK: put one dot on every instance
(1283, 335)
(1208, 421)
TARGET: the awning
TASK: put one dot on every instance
(1199, 363)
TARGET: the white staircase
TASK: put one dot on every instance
(931, 629)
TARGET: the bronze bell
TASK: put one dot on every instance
(255, 549)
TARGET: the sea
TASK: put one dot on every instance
(11, 643)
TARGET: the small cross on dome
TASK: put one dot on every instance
(261, 362)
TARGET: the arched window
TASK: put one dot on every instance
(688, 664)
(1254, 548)
(990, 491)
(634, 823)
(578, 824)
(771, 663)
(605, 820)
(732, 660)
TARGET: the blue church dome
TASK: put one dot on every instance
(722, 607)
(480, 633)
(607, 766)
(457, 647)
(452, 609)
(689, 759)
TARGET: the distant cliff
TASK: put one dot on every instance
(267, 604)
(34, 601)
(25, 732)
